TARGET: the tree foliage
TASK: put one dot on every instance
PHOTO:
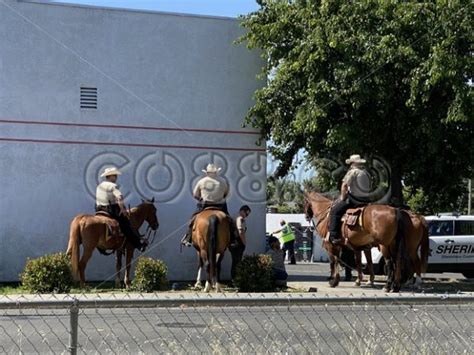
(379, 78)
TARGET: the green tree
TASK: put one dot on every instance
(285, 194)
(379, 78)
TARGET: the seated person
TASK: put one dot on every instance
(278, 261)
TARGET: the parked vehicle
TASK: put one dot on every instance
(451, 245)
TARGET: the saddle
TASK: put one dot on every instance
(212, 208)
(353, 217)
(112, 227)
(103, 213)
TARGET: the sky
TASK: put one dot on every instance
(228, 8)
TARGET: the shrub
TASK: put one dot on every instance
(150, 275)
(254, 274)
(49, 273)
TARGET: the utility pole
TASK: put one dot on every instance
(469, 196)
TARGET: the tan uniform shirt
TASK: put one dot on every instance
(241, 224)
(212, 189)
(107, 193)
(358, 182)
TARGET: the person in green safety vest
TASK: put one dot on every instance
(287, 238)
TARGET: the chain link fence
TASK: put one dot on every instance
(258, 323)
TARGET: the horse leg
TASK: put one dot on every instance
(198, 284)
(118, 268)
(83, 263)
(218, 272)
(128, 265)
(208, 286)
(389, 272)
(358, 262)
(370, 267)
(206, 262)
(416, 265)
(397, 275)
(334, 262)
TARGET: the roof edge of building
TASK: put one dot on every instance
(121, 9)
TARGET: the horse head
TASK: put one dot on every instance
(308, 211)
(150, 212)
(316, 203)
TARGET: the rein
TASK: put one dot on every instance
(319, 220)
(318, 216)
(150, 235)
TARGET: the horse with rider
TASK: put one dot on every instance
(211, 230)
(352, 222)
(113, 227)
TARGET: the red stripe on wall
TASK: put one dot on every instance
(93, 125)
(47, 141)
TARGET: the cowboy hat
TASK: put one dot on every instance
(110, 171)
(355, 158)
(211, 168)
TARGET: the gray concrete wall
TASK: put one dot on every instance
(173, 91)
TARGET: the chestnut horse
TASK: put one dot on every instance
(416, 238)
(382, 225)
(211, 238)
(98, 231)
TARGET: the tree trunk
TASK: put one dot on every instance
(396, 186)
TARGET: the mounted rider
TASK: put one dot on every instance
(109, 199)
(355, 189)
(210, 191)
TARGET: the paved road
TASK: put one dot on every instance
(304, 276)
(293, 329)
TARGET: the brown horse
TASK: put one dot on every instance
(381, 225)
(416, 238)
(211, 238)
(96, 231)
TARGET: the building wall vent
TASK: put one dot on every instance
(88, 98)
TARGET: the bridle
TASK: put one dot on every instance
(317, 216)
(150, 234)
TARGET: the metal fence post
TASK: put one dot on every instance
(74, 317)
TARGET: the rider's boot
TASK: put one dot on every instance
(186, 240)
(334, 238)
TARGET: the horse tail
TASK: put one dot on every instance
(425, 246)
(73, 245)
(399, 235)
(212, 245)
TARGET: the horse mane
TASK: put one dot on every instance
(312, 195)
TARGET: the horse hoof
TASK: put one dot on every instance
(333, 283)
(357, 283)
(385, 289)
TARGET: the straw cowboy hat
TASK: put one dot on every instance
(355, 158)
(110, 171)
(211, 169)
